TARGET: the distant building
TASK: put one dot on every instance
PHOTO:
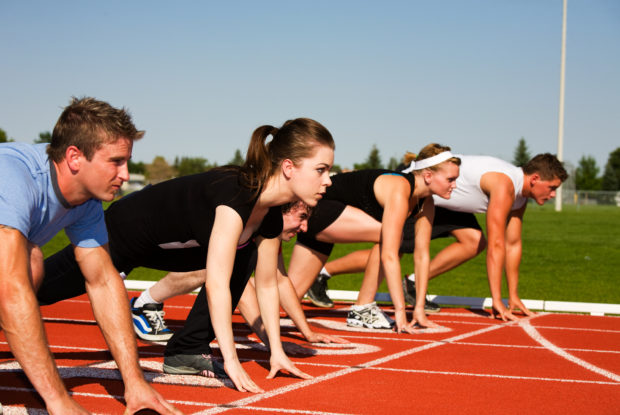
(136, 182)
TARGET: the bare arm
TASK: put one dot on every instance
(421, 259)
(393, 194)
(227, 228)
(501, 197)
(248, 306)
(292, 306)
(513, 259)
(269, 305)
(23, 327)
(108, 297)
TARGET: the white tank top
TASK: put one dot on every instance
(468, 196)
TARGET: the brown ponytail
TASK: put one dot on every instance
(295, 140)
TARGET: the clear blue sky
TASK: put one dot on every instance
(200, 76)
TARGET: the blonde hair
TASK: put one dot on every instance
(433, 149)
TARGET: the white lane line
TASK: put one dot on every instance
(534, 334)
(255, 398)
(486, 375)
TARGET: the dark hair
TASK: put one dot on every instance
(295, 140)
(433, 149)
(88, 123)
(547, 166)
(299, 204)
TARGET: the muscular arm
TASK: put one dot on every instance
(22, 325)
(513, 259)
(108, 297)
(500, 190)
(248, 306)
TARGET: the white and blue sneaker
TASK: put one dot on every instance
(148, 322)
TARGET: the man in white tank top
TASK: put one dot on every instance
(490, 185)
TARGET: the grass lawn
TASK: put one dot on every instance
(573, 255)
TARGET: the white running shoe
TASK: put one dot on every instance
(367, 316)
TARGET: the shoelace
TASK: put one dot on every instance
(156, 318)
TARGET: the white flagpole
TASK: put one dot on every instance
(558, 196)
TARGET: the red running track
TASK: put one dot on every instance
(550, 363)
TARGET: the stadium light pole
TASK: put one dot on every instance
(558, 196)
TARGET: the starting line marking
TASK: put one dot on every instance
(252, 399)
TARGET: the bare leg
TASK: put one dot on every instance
(469, 243)
(177, 283)
(304, 266)
(349, 264)
(370, 283)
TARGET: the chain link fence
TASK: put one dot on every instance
(590, 197)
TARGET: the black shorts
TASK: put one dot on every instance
(323, 215)
(444, 223)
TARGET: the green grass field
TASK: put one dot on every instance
(573, 255)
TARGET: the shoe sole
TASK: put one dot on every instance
(320, 303)
(153, 337)
(187, 370)
(357, 323)
(180, 370)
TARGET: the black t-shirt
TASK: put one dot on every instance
(179, 213)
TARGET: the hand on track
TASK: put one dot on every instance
(314, 337)
(141, 395)
(282, 362)
(240, 378)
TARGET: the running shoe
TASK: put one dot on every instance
(318, 292)
(149, 323)
(194, 364)
(367, 316)
(382, 315)
(410, 294)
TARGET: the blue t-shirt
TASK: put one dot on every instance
(31, 201)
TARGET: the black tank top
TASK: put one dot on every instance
(356, 189)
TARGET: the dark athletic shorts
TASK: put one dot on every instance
(445, 222)
(63, 278)
(323, 215)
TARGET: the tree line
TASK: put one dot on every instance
(585, 175)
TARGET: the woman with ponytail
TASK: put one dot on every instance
(226, 220)
(372, 206)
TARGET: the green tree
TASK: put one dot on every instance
(392, 164)
(586, 174)
(238, 159)
(191, 165)
(4, 138)
(611, 176)
(159, 170)
(336, 169)
(139, 167)
(44, 137)
(372, 162)
(521, 155)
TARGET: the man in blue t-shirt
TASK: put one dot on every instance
(46, 188)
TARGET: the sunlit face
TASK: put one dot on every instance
(543, 190)
(310, 177)
(103, 176)
(295, 221)
(443, 179)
